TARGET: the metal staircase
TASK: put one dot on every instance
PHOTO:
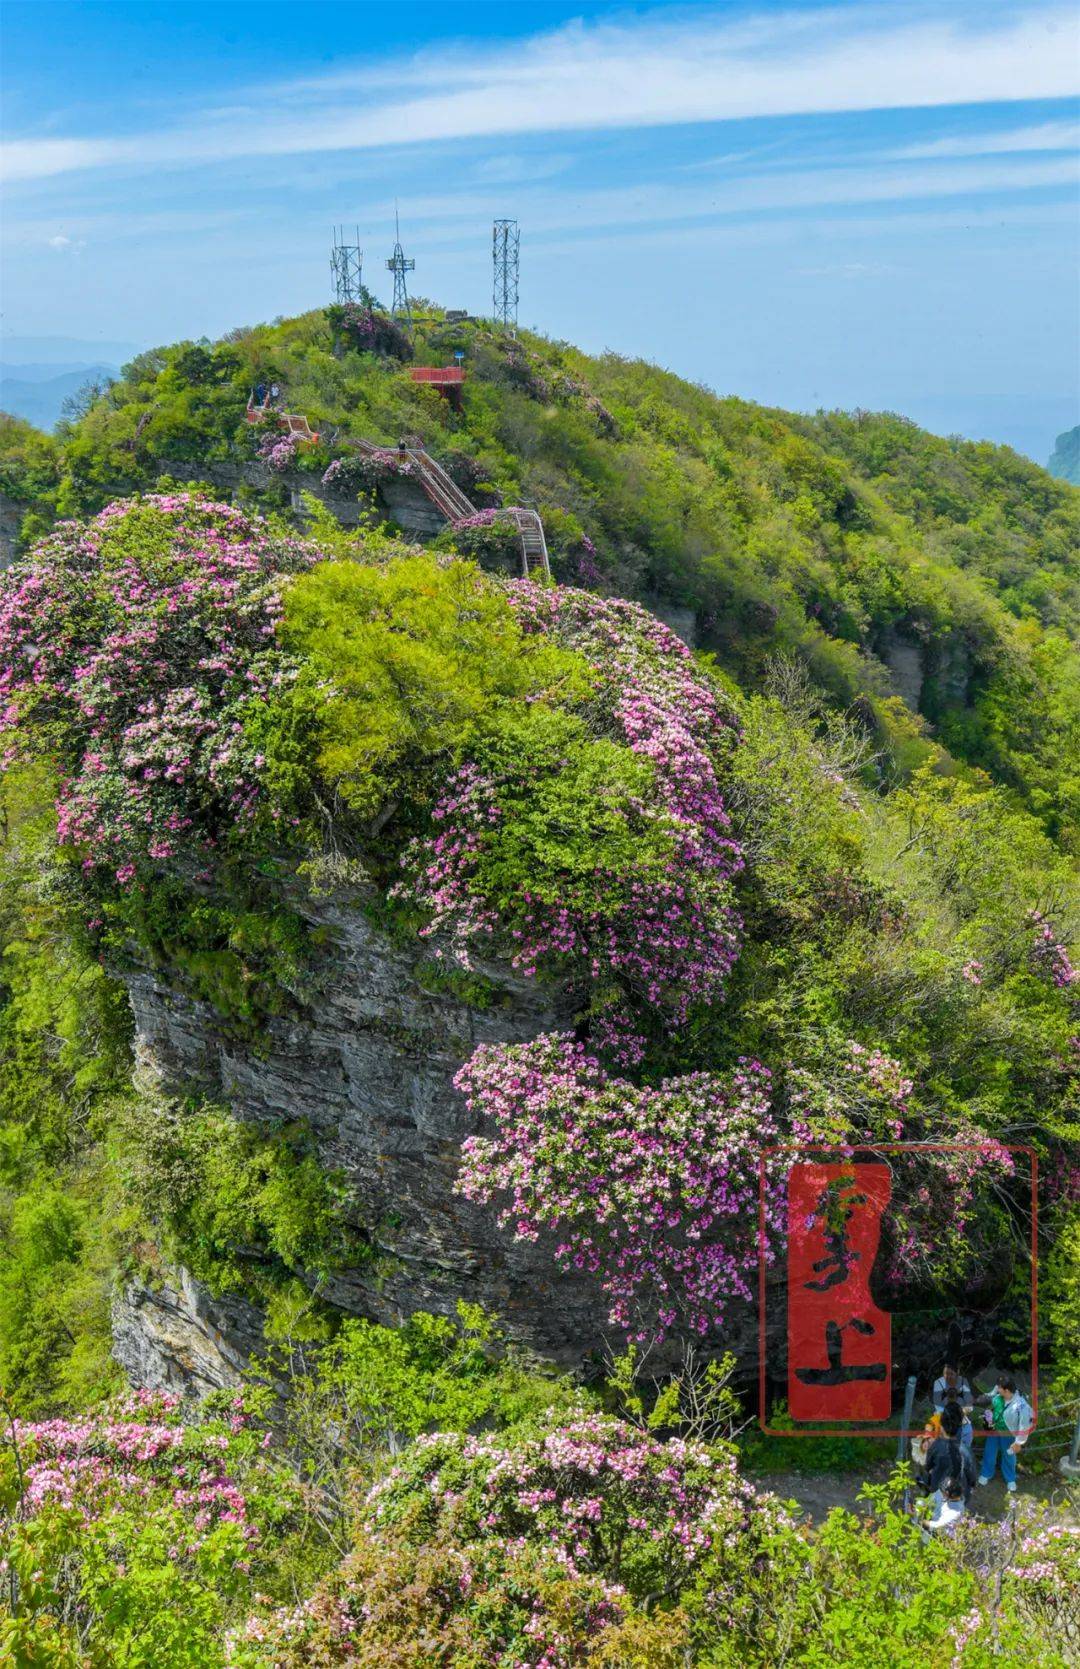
(448, 497)
(452, 503)
(534, 551)
(443, 492)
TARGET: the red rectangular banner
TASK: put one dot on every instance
(839, 1341)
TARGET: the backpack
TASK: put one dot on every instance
(961, 1480)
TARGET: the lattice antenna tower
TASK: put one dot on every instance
(505, 245)
(399, 266)
(347, 267)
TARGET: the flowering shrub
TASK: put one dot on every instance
(132, 1537)
(588, 569)
(1048, 955)
(489, 1602)
(867, 1097)
(363, 471)
(941, 1195)
(654, 1191)
(489, 537)
(482, 518)
(132, 650)
(656, 927)
(540, 1550)
(1026, 1597)
(610, 1499)
(369, 331)
(279, 451)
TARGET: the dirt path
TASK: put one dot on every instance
(818, 1492)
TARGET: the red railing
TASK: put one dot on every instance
(449, 375)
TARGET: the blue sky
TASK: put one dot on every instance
(854, 205)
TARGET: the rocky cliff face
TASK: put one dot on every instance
(402, 502)
(175, 1336)
(369, 1066)
(11, 515)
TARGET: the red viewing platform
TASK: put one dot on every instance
(443, 376)
(446, 378)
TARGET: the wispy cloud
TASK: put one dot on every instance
(1042, 136)
(653, 71)
(448, 219)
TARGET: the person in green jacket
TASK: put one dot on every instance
(1009, 1420)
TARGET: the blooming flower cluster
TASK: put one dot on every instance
(1048, 955)
(527, 1550)
(608, 1498)
(482, 518)
(1033, 1598)
(279, 451)
(652, 1191)
(865, 1099)
(588, 569)
(364, 471)
(668, 938)
(131, 650)
(89, 1464)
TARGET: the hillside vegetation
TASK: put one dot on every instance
(788, 907)
(889, 560)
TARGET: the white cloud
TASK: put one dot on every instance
(33, 159)
(448, 220)
(1043, 136)
(654, 71)
(518, 170)
(63, 244)
(667, 203)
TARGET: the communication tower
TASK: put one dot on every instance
(505, 242)
(399, 266)
(346, 265)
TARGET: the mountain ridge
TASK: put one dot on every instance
(894, 563)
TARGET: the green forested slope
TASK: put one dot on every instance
(892, 561)
(186, 690)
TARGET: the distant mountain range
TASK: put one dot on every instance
(37, 391)
(1065, 458)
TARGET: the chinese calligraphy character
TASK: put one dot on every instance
(839, 1342)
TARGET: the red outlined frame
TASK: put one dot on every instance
(837, 1428)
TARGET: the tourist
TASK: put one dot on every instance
(967, 1430)
(950, 1471)
(1008, 1419)
(950, 1380)
(921, 1446)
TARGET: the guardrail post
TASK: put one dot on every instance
(903, 1441)
(1070, 1463)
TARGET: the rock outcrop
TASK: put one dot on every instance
(11, 515)
(174, 1336)
(400, 501)
(369, 1066)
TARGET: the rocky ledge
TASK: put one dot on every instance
(368, 1065)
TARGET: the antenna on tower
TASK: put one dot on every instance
(346, 266)
(505, 242)
(399, 266)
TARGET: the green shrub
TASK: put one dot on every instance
(234, 1203)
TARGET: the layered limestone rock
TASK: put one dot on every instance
(401, 501)
(174, 1336)
(369, 1066)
